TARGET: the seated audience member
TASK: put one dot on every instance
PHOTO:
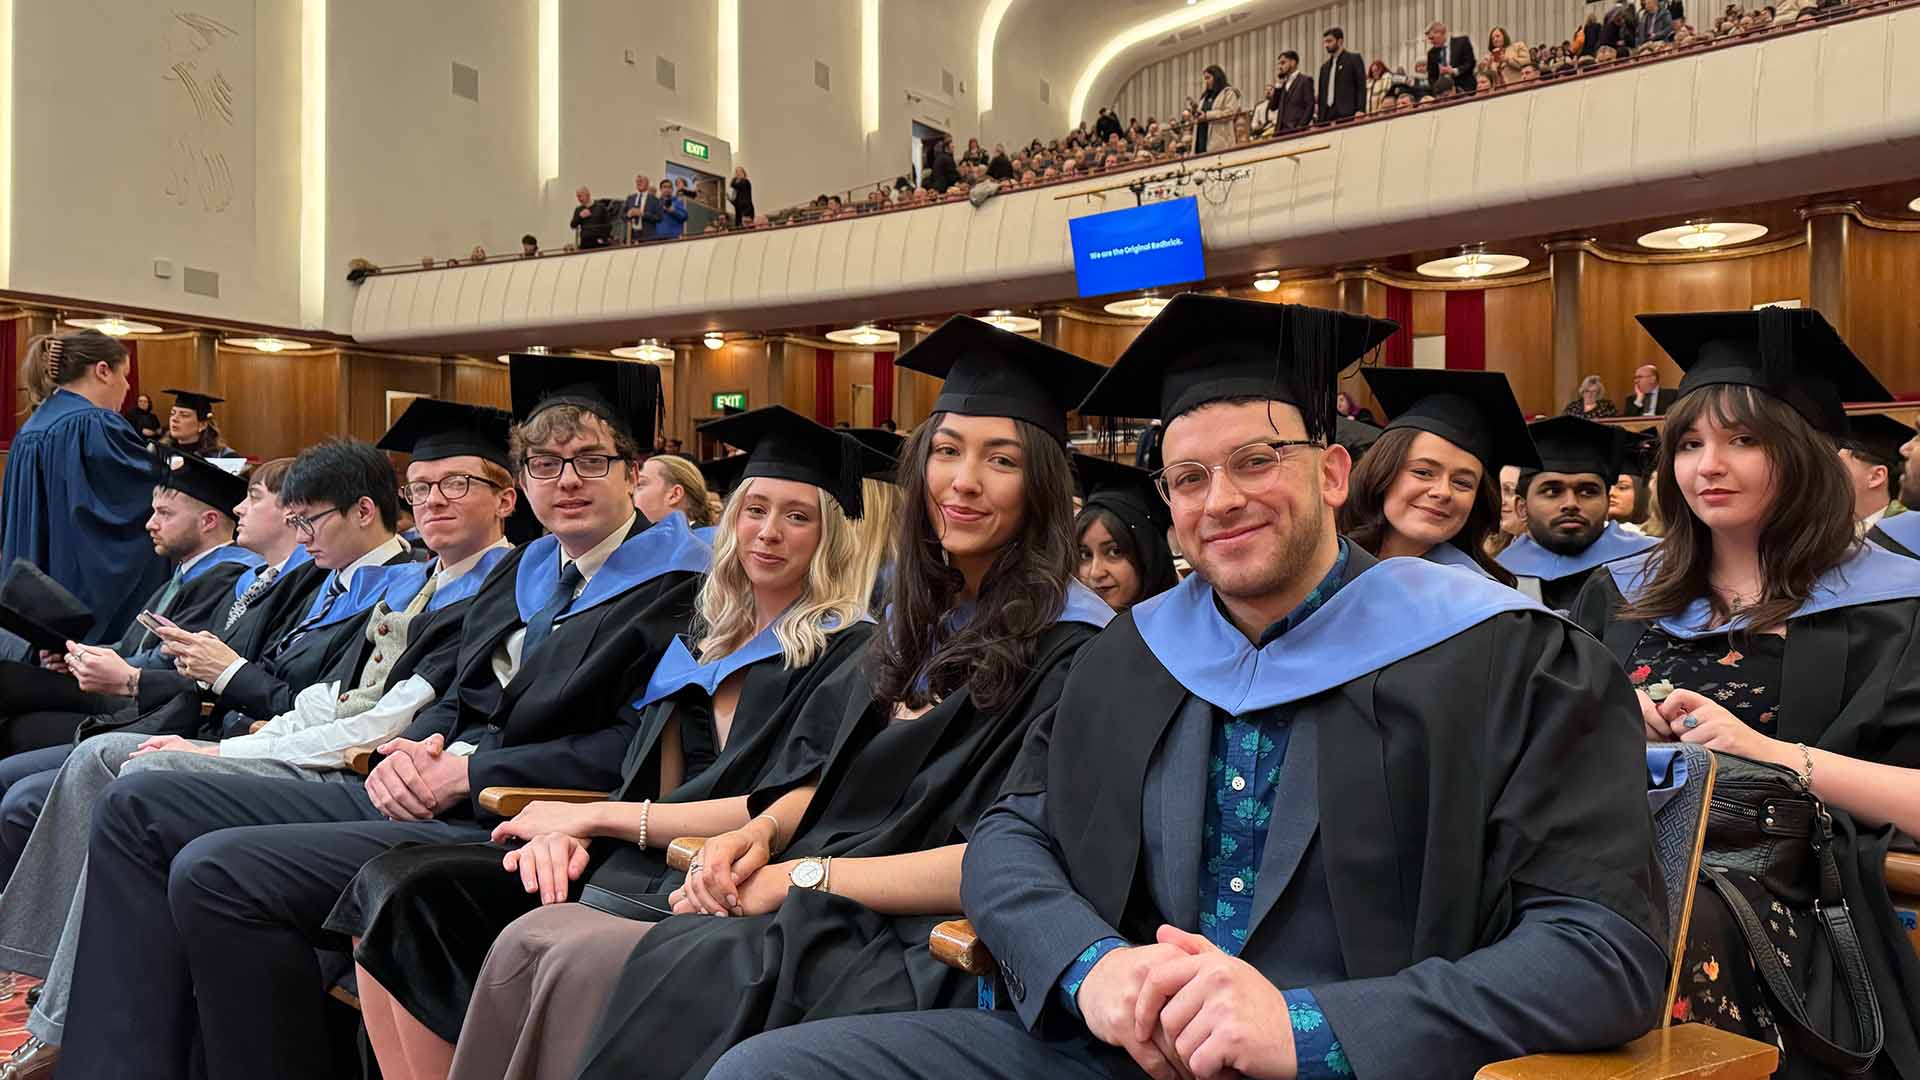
(667, 484)
(1762, 627)
(589, 220)
(190, 425)
(783, 609)
(142, 418)
(1570, 532)
(477, 255)
(1513, 510)
(562, 633)
(529, 246)
(985, 619)
(1591, 402)
(1871, 454)
(1429, 487)
(192, 528)
(1649, 397)
(408, 642)
(1901, 533)
(1121, 533)
(1629, 501)
(1329, 776)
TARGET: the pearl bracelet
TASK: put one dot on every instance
(646, 811)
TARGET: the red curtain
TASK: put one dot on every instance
(1467, 330)
(823, 386)
(10, 378)
(882, 386)
(1400, 310)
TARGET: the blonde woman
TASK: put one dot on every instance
(667, 484)
(783, 609)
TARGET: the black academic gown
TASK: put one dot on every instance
(560, 722)
(1444, 800)
(426, 916)
(45, 709)
(696, 985)
(1850, 685)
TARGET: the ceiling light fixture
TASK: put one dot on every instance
(1008, 321)
(649, 350)
(269, 344)
(1703, 236)
(1268, 281)
(866, 335)
(1914, 205)
(114, 326)
(1140, 307)
(1473, 264)
(714, 340)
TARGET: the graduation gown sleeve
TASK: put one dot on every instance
(79, 486)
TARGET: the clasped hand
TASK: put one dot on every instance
(1692, 717)
(1185, 1010)
(416, 780)
(97, 669)
(555, 852)
(734, 875)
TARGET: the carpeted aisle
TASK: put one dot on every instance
(13, 1014)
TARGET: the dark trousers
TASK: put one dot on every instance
(25, 780)
(206, 897)
(941, 1044)
(42, 708)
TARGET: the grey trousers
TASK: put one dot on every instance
(940, 1044)
(40, 910)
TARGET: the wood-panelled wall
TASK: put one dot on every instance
(1883, 320)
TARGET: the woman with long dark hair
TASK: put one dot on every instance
(79, 483)
(1761, 627)
(782, 610)
(1428, 487)
(831, 887)
(1215, 117)
(1121, 533)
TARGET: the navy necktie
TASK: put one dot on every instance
(541, 624)
(335, 589)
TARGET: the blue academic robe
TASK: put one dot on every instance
(78, 491)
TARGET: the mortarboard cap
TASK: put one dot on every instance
(40, 609)
(1125, 490)
(212, 484)
(1357, 436)
(431, 430)
(1793, 354)
(881, 443)
(1473, 410)
(784, 445)
(1877, 435)
(995, 372)
(625, 395)
(1574, 444)
(1208, 348)
(201, 404)
(722, 473)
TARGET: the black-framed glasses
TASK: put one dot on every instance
(1253, 468)
(304, 526)
(585, 466)
(455, 488)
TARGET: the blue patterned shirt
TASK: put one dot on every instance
(1242, 772)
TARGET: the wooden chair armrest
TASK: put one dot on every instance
(956, 945)
(683, 850)
(508, 801)
(1903, 873)
(360, 760)
(1681, 1052)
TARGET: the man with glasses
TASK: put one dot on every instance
(1308, 813)
(462, 494)
(193, 914)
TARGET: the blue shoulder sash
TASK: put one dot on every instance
(1448, 555)
(665, 547)
(295, 561)
(1525, 558)
(225, 553)
(1903, 529)
(406, 582)
(1392, 610)
(1869, 576)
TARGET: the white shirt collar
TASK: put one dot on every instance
(447, 575)
(376, 557)
(597, 556)
(186, 568)
(1865, 525)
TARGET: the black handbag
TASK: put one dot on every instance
(1763, 822)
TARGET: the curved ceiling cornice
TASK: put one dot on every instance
(1137, 34)
(983, 43)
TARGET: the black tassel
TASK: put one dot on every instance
(1777, 327)
(852, 498)
(1308, 341)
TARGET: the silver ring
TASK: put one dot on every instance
(1691, 721)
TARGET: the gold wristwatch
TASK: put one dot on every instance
(810, 874)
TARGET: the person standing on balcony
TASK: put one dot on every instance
(1219, 107)
(1343, 79)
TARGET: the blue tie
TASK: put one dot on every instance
(335, 589)
(541, 624)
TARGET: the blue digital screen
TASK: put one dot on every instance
(1138, 248)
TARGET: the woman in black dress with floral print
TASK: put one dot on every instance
(1761, 628)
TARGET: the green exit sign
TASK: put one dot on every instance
(730, 399)
(695, 148)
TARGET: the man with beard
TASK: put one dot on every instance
(1566, 506)
(1900, 533)
(1302, 784)
(1871, 453)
